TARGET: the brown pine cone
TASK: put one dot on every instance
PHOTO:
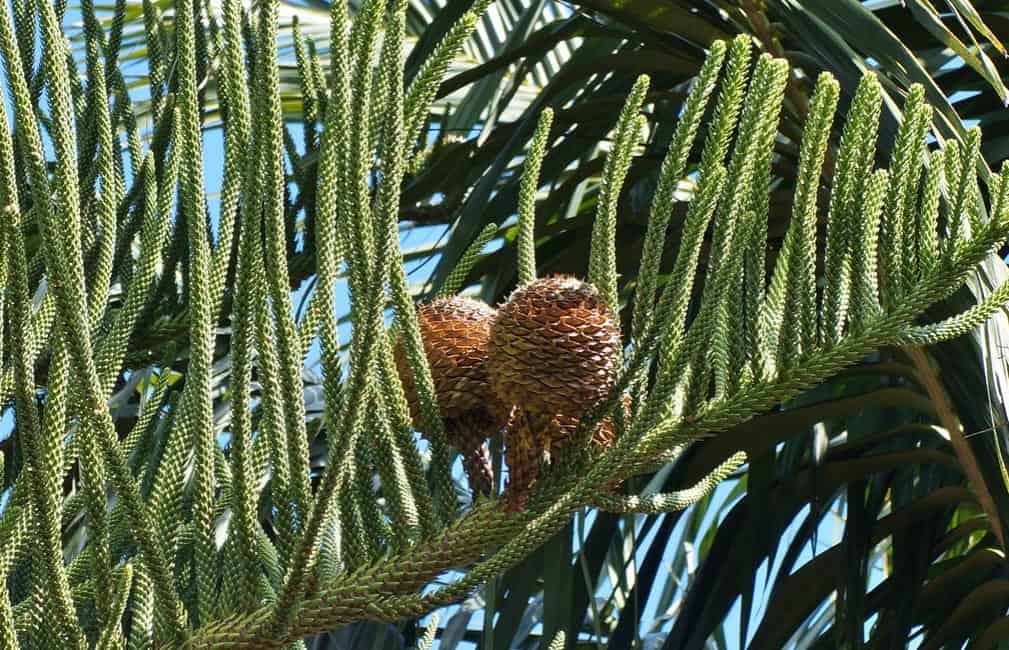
(554, 347)
(456, 333)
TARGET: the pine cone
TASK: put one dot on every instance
(456, 332)
(554, 347)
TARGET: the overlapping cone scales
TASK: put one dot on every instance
(456, 332)
(532, 438)
(554, 347)
(523, 453)
(477, 464)
(468, 433)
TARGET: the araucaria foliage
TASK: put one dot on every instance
(204, 519)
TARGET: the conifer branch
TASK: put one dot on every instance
(526, 240)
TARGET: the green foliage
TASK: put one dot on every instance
(527, 199)
(276, 531)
